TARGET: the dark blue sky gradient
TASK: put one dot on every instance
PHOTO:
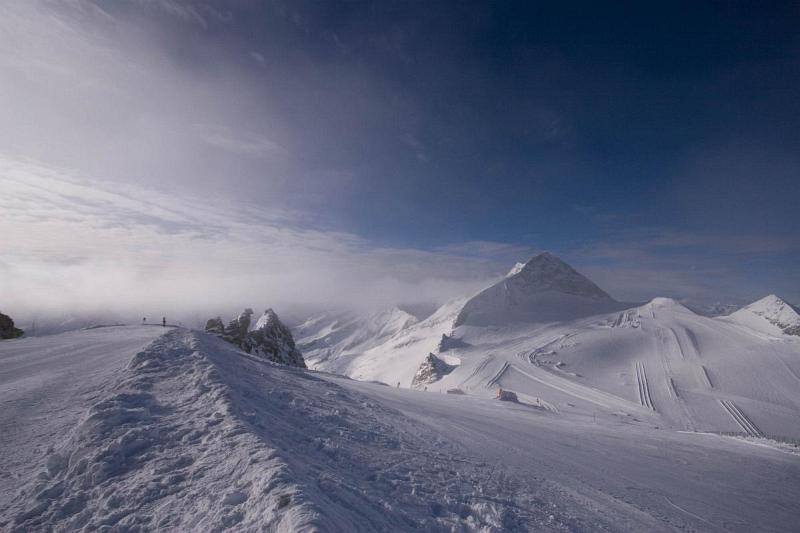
(630, 137)
(560, 126)
(511, 121)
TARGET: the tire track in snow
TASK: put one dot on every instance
(741, 419)
(644, 387)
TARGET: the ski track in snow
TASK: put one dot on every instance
(705, 378)
(644, 387)
(588, 394)
(498, 375)
(741, 420)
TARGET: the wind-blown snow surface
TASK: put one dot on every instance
(188, 433)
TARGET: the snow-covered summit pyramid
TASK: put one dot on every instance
(541, 290)
(770, 314)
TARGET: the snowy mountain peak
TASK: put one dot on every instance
(544, 289)
(772, 309)
(517, 268)
(661, 301)
(548, 272)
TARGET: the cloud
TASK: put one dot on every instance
(75, 244)
(243, 143)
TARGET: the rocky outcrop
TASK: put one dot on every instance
(237, 329)
(272, 340)
(269, 339)
(7, 329)
(431, 370)
(215, 326)
(448, 342)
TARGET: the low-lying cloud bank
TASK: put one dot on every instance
(79, 246)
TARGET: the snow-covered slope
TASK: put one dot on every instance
(191, 434)
(545, 289)
(658, 362)
(329, 339)
(102, 430)
(397, 359)
(769, 315)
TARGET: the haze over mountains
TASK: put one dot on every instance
(177, 429)
(550, 334)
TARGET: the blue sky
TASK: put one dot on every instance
(655, 147)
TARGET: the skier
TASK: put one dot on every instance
(144, 321)
(164, 322)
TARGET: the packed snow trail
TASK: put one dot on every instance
(193, 435)
(581, 392)
(190, 434)
(46, 384)
(637, 478)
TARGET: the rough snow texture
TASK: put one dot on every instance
(191, 434)
(770, 314)
(431, 370)
(544, 289)
(194, 435)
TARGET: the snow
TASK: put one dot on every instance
(516, 269)
(769, 315)
(328, 340)
(626, 418)
(544, 289)
(165, 428)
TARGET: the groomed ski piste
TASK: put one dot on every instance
(132, 428)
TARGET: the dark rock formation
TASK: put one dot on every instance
(7, 329)
(270, 339)
(215, 326)
(432, 369)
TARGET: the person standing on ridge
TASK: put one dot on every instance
(163, 321)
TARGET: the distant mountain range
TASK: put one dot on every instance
(551, 334)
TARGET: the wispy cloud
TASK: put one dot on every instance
(243, 143)
(70, 243)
